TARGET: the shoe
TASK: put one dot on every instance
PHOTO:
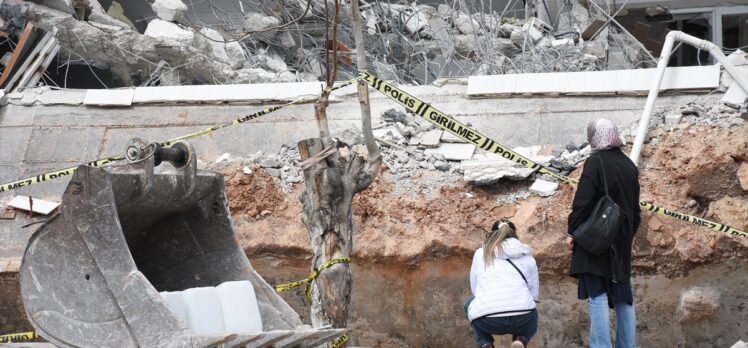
(517, 344)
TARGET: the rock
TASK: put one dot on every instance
(247, 170)
(504, 46)
(276, 173)
(673, 119)
(270, 162)
(216, 43)
(223, 158)
(561, 164)
(698, 303)
(740, 344)
(169, 10)
(464, 44)
(742, 174)
(286, 39)
(531, 32)
(691, 110)
(441, 165)
(517, 38)
(273, 61)
(236, 54)
(543, 188)
(161, 29)
(431, 138)
(465, 24)
(259, 24)
(505, 30)
(393, 116)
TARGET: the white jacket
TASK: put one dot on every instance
(499, 288)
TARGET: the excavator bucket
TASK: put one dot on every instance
(92, 275)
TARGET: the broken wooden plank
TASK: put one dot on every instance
(16, 53)
(36, 205)
(44, 44)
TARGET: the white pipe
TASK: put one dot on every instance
(667, 50)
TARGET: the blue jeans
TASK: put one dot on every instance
(524, 325)
(600, 323)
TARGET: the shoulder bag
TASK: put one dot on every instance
(598, 232)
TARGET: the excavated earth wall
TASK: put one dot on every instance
(414, 239)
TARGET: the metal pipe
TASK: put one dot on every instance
(654, 91)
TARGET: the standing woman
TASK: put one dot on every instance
(605, 280)
(504, 282)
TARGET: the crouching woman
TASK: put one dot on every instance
(504, 283)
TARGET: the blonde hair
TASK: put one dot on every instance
(501, 230)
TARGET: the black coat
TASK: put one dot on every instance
(623, 187)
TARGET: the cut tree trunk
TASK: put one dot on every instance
(330, 186)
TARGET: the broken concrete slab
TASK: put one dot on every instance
(109, 97)
(161, 29)
(543, 188)
(388, 133)
(261, 25)
(594, 82)
(244, 93)
(36, 205)
(453, 152)
(431, 138)
(735, 96)
(448, 137)
(169, 10)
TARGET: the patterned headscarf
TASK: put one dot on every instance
(602, 134)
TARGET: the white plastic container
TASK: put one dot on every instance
(204, 310)
(241, 314)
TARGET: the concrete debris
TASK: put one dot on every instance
(739, 344)
(543, 188)
(453, 152)
(431, 138)
(169, 10)
(169, 32)
(261, 25)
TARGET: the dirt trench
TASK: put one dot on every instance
(412, 250)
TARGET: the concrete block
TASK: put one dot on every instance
(630, 81)
(109, 97)
(169, 32)
(735, 96)
(673, 118)
(169, 10)
(388, 132)
(64, 144)
(62, 97)
(258, 93)
(448, 137)
(453, 152)
(543, 188)
(431, 138)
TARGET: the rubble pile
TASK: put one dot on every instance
(405, 43)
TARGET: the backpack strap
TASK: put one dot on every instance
(520, 272)
(605, 179)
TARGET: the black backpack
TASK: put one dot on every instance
(598, 232)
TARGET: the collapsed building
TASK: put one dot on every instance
(534, 82)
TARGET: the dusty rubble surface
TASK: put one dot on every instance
(416, 245)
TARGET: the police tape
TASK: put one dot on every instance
(308, 280)
(340, 341)
(462, 131)
(101, 162)
(18, 337)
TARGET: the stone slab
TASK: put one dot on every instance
(246, 93)
(453, 152)
(431, 138)
(109, 97)
(592, 82)
(543, 188)
(735, 96)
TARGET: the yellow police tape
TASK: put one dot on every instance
(470, 135)
(308, 280)
(100, 162)
(340, 341)
(18, 337)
